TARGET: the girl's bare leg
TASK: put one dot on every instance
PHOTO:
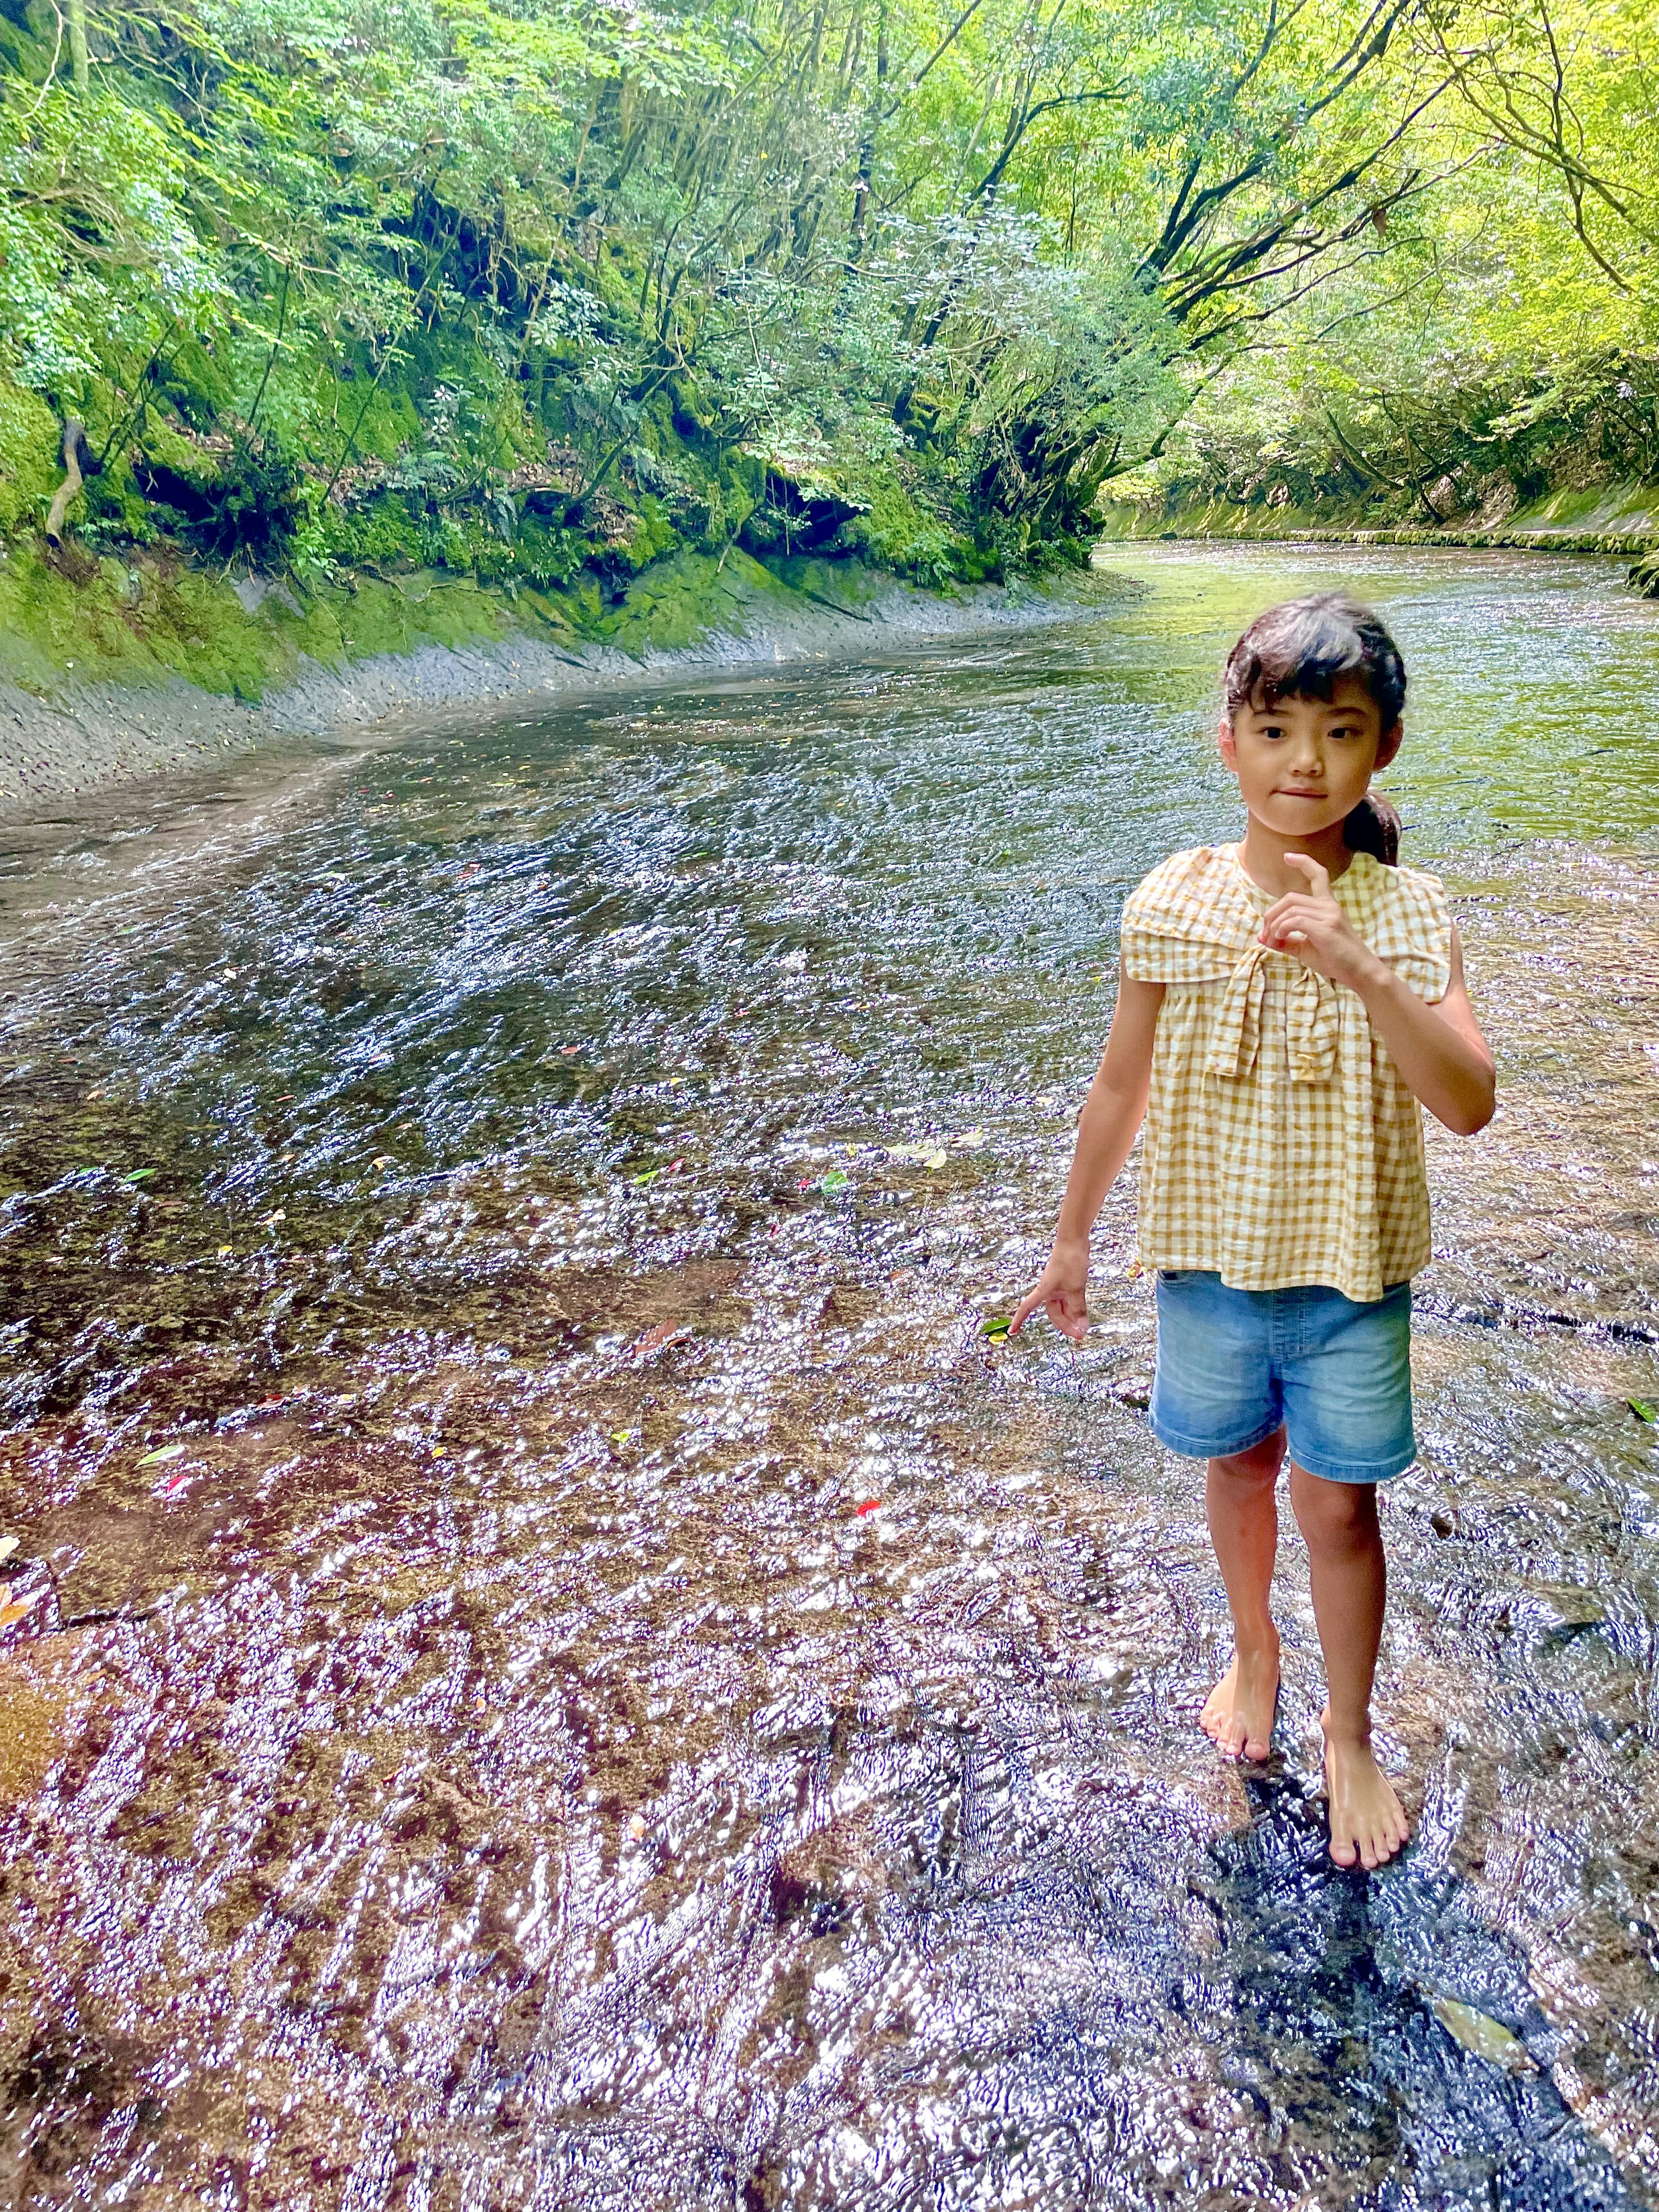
(1350, 1582)
(1238, 1718)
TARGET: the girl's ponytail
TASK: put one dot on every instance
(1374, 828)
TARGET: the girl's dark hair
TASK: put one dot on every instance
(1298, 651)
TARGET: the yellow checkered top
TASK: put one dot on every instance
(1282, 1145)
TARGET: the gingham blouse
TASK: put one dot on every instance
(1282, 1145)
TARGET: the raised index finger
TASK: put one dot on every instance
(1318, 882)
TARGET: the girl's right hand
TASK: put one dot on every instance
(1063, 1289)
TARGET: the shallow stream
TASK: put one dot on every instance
(560, 1666)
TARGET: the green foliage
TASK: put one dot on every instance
(29, 443)
(543, 292)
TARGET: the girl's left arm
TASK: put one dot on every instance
(1438, 1049)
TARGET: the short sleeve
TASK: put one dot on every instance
(1413, 931)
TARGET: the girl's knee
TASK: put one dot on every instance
(1256, 1464)
(1333, 1516)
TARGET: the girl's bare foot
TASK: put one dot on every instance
(1368, 1824)
(1238, 1714)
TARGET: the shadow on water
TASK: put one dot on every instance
(551, 1660)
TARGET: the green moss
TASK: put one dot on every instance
(680, 600)
(894, 532)
(29, 442)
(140, 620)
(144, 616)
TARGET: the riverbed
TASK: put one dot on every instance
(561, 1662)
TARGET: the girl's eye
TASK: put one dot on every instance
(1273, 732)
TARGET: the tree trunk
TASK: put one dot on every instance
(70, 487)
(76, 16)
(867, 145)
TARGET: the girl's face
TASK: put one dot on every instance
(1303, 764)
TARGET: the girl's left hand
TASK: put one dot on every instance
(1311, 927)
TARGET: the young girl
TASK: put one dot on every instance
(1282, 1006)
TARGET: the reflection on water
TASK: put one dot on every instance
(560, 1665)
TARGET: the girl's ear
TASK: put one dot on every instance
(1228, 750)
(1392, 741)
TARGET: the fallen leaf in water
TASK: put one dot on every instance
(934, 1160)
(270, 1220)
(382, 1160)
(997, 1328)
(971, 1139)
(172, 1488)
(640, 1181)
(162, 1452)
(224, 1251)
(1642, 1411)
(18, 1610)
(1486, 2038)
(666, 1332)
(620, 1436)
(836, 1180)
(870, 1505)
(139, 1175)
(566, 1050)
(8, 1545)
(636, 1826)
(467, 873)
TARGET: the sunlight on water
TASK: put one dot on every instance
(561, 1666)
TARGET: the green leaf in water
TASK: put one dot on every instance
(996, 1328)
(834, 1181)
(1642, 1410)
(162, 1452)
(1486, 2038)
(139, 1175)
(640, 1181)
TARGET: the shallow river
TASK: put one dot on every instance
(560, 1665)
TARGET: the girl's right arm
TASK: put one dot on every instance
(1106, 1130)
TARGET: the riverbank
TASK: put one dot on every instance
(1622, 521)
(134, 670)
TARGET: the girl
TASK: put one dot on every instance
(1282, 1006)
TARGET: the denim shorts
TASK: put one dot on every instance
(1233, 1365)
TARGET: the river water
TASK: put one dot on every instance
(561, 1665)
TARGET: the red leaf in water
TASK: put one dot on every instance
(666, 1332)
(870, 1505)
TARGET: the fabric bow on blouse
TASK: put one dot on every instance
(1311, 1019)
(1282, 1145)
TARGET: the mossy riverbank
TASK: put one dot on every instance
(1621, 520)
(127, 664)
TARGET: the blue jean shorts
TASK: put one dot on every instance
(1233, 1365)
